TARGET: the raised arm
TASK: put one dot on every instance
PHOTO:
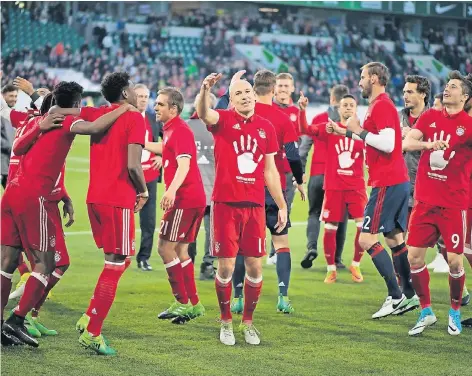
(28, 138)
(102, 123)
(203, 106)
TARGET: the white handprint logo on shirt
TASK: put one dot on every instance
(246, 155)
(436, 158)
(344, 151)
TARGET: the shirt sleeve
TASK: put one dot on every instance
(384, 115)
(424, 121)
(136, 128)
(90, 113)
(185, 145)
(272, 144)
(216, 128)
(17, 117)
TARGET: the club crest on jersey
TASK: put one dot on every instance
(57, 257)
(460, 130)
(293, 117)
(262, 133)
(326, 214)
(52, 241)
(237, 126)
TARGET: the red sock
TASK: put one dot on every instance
(104, 295)
(189, 281)
(329, 243)
(223, 293)
(252, 291)
(5, 289)
(176, 280)
(358, 251)
(53, 279)
(420, 280)
(456, 285)
(34, 290)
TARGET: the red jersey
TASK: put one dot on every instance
(344, 160)
(179, 141)
(150, 173)
(285, 134)
(293, 113)
(41, 168)
(240, 147)
(318, 160)
(443, 177)
(110, 183)
(18, 121)
(385, 169)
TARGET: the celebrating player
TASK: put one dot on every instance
(183, 204)
(264, 84)
(441, 194)
(316, 181)
(387, 209)
(245, 145)
(37, 175)
(344, 183)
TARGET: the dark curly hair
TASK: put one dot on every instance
(113, 84)
(422, 85)
(67, 94)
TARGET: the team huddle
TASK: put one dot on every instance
(413, 204)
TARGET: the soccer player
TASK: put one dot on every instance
(284, 88)
(344, 183)
(245, 145)
(183, 203)
(264, 85)
(117, 188)
(36, 178)
(315, 183)
(151, 167)
(387, 209)
(442, 187)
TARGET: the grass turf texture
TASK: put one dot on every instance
(331, 332)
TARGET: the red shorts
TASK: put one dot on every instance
(112, 228)
(181, 225)
(236, 229)
(27, 221)
(336, 202)
(468, 232)
(62, 256)
(428, 223)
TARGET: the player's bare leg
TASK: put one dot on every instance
(188, 270)
(355, 267)
(44, 265)
(284, 268)
(252, 292)
(9, 262)
(100, 304)
(395, 299)
(223, 286)
(420, 279)
(175, 270)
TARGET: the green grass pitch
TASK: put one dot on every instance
(331, 332)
